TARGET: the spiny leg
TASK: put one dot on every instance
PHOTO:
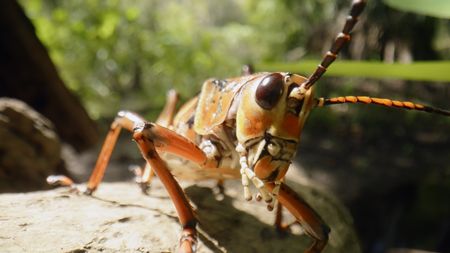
(145, 176)
(305, 215)
(147, 137)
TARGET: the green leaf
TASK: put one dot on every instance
(434, 8)
(424, 71)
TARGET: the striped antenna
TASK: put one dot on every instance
(380, 101)
(340, 41)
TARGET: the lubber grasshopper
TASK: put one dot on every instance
(246, 127)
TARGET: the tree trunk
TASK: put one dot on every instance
(27, 73)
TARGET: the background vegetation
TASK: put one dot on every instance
(126, 54)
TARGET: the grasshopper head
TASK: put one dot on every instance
(269, 121)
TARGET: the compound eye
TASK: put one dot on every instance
(269, 91)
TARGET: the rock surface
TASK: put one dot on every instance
(119, 218)
(29, 147)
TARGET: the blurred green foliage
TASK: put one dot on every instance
(126, 54)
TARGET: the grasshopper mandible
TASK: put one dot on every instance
(244, 128)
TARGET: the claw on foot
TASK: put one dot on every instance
(188, 241)
(60, 180)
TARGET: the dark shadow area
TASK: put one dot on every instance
(233, 228)
(391, 168)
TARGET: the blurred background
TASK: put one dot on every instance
(79, 62)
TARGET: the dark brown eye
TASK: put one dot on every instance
(269, 91)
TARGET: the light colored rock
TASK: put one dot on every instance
(119, 218)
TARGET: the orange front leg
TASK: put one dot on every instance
(127, 120)
(146, 143)
(151, 139)
(145, 175)
(164, 139)
(311, 222)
